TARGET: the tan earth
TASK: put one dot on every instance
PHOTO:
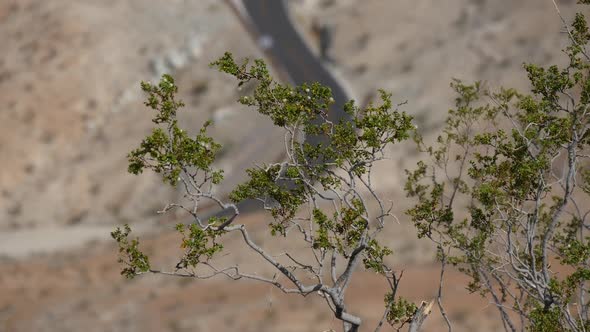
(71, 109)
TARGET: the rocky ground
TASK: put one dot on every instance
(70, 110)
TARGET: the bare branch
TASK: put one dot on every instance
(420, 316)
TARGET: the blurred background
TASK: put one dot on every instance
(71, 108)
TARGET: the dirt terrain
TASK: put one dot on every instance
(71, 108)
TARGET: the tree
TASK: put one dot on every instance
(504, 195)
(320, 194)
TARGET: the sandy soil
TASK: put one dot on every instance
(83, 290)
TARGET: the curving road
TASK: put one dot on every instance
(270, 24)
(288, 50)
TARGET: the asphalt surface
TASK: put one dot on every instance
(288, 50)
(285, 48)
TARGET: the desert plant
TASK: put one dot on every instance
(320, 195)
(504, 194)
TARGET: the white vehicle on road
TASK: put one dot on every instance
(265, 42)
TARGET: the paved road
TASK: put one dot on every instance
(287, 49)
(283, 45)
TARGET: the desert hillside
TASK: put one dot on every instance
(71, 109)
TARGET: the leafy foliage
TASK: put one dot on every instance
(327, 163)
(199, 244)
(169, 150)
(136, 261)
(501, 195)
(400, 310)
(504, 187)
